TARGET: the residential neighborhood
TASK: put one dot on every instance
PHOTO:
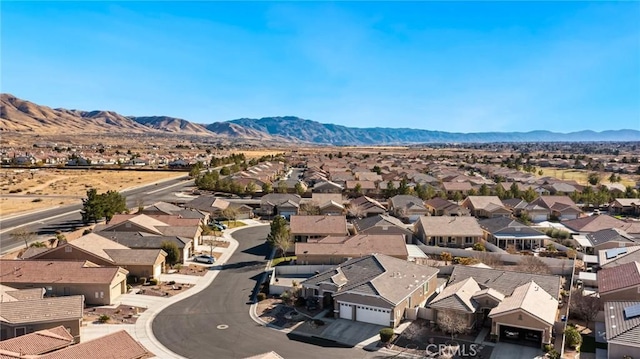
(472, 253)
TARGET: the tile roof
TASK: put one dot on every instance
(550, 201)
(277, 199)
(458, 296)
(593, 223)
(484, 202)
(140, 240)
(504, 281)
(531, 298)
(40, 342)
(355, 246)
(390, 278)
(508, 226)
(619, 277)
(608, 235)
(367, 203)
(135, 256)
(406, 201)
(619, 328)
(377, 221)
(164, 207)
(96, 244)
(42, 310)
(118, 345)
(454, 226)
(55, 271)
(319, 225)
(8, 294)
(632, 255)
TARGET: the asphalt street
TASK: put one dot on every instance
(215, 323)
(68, 218)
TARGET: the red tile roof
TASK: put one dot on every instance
(55, 271)
(119, 345)
(623, 276)
(40, 342)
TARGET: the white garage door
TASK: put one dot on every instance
(539, 218)
(373, 315)
(346, 311)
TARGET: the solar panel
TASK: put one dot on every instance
(614, 252)
(632, 311)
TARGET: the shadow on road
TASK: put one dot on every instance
(66, 226)
(261, 250)
(317, 341)
(243, 266)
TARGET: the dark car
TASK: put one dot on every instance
(204, 258)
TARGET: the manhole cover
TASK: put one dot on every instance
(222, 326)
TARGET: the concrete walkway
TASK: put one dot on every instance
(142, 330)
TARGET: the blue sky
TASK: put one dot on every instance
(449, 66)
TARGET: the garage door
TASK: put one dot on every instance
(346, 311)
(539, 218)
(521, 336)
(373, 315)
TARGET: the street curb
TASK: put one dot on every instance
(143, 328)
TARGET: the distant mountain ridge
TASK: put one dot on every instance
(22, 116)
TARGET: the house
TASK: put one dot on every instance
(303, 228)
(327, 187)
(625, 206)
(332, 208)
(617, 256)
(515, 205)
(590, 224)
(620, 282)
(441, 207)
(622, 328)
(407, 207)
(216, 206)
(448, 231)
(140, 240)
(461, 187)
(336, 250)
(37, 343)
(164, 208)
(99, 285)
(373, 289)
(118, 345)
(485, 206)
(364, 206)
(383, 224)
(25, 311)
(605, 239)
(560, 207)
(459, 298)
(283, 204)
(528, 315)
(147, 263)
(366, 187)
(506, 232)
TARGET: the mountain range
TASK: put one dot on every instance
(21, 116)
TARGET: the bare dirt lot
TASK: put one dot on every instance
(123, 314)
(24, 190)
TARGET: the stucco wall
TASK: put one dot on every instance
(527, 321)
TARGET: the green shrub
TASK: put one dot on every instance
(479, 247)
(553, 354)
(104, 318)
(261, 296)
(547, 348)
(574, 339)
(386, 334)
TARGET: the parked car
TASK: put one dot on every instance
(204, 258)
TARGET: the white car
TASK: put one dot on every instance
(204, 258)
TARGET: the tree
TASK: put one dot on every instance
(96, 206)
(515, 190)
(358, 189)
(22, 235)
(300, 190)
(282, 187)
(225, 171)
(484, 190)
(593, 178)
(403, 187)
(250, 189)
(530, 264)
(230, 213)
(310, 208)
(195, 169)
(267, 188)
(446, 257)
(529, 195)
(574, 339)
(279, 235)
(451, 322)
(38, 245)
(390, 191)
(114, 203)
(173, 252)
(585, 307)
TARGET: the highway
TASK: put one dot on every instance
(67, 218)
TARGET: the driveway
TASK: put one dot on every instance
(351, 333)
(215, 323)
(509, 351)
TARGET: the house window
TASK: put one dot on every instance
(468, 240)
(425, 288)
(20, 331)
(441, 239)
(450, 240)
(519, 316)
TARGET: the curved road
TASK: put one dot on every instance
(189, 327)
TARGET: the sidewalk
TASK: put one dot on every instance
(141, 330)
